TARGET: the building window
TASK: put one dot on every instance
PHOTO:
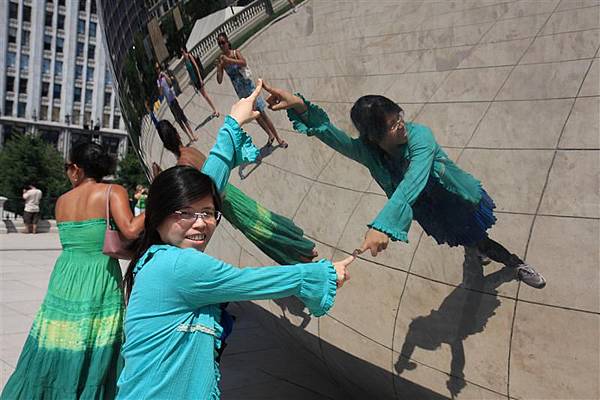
(46, 66)
(11, 59)
(78, 72)
(61, 3)
(12, 35)
(55, 114)
(8, 107)
(24, 62)
(47, 42)
(82, 4)
(48, 19)
(44, 113)
(60, 22)
(56, 91)
(116, 122)
(23, 86)
(91, 52)
(92, 29)
(25, 38)
(93, 7)
(58, 66)
(106, 99)
(45, 89)
(10, 83)
(26, 13)
(77, 95)
(88, 97)
(13, 10)
(79, 49)
(87, 118)
(60, 42)
(80, 26)
(21, 109)
(106, 120)
(107, 77)
(90, 74)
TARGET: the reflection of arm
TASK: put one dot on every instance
(232, 148)
(315, 122)
(205, 280)
(396, 216)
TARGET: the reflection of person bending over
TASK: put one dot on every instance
(164, 86)
(193, 70)
(31, 215)
(419, 179)
(277, 236)
(234, 64)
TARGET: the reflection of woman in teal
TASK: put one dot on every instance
(277, 236)
(419, 179)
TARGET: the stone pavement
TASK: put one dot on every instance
(254, 365)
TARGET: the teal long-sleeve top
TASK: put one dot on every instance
(171, 323)
(402, 180)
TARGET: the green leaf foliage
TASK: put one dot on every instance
(130, 173)
(28, 159)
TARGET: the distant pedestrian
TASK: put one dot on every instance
(195, 74)
(164, 84)
(31, 215)
(141, 194)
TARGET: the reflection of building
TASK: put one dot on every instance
(53, 74)
(158, 8)
(121, 19)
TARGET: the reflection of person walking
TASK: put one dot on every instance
(164, 85)
(141, 194)
(31, 215)
(195, 74)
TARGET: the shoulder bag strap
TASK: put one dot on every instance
(108, 206)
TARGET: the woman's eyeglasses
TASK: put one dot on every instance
(221, 43)
(398, 124)
(204, 215)
(67, 166)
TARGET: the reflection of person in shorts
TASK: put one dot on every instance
(164, 85)
(31, 216)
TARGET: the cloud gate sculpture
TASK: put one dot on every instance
(510, 90)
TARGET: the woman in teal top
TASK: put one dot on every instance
(174, 288)
(419, 179)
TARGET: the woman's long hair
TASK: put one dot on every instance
(369, 115)
(169, 136)
(172, 190)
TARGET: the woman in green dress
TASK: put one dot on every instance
(73, 346)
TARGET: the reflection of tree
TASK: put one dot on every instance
(463, 313)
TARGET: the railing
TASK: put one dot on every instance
(13, 208)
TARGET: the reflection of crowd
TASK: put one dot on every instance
(175, 324)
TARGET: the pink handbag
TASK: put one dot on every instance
(114, 244)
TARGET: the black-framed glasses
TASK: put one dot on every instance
(67, 166)
(205, 215)
(221, 42)
(398, 124)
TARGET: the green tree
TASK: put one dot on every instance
(130, 172)
(29, 159)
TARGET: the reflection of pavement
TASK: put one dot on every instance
(254, 366)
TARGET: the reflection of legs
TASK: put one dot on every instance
(272, 130)
(209, 101)
(499, 253)
(186, 128)
(456, 381)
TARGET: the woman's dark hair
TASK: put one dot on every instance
(224, 36)
(93, 159)
(169, 136)
(369, 116)
(173, 189)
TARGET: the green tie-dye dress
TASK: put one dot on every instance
(73, 347)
